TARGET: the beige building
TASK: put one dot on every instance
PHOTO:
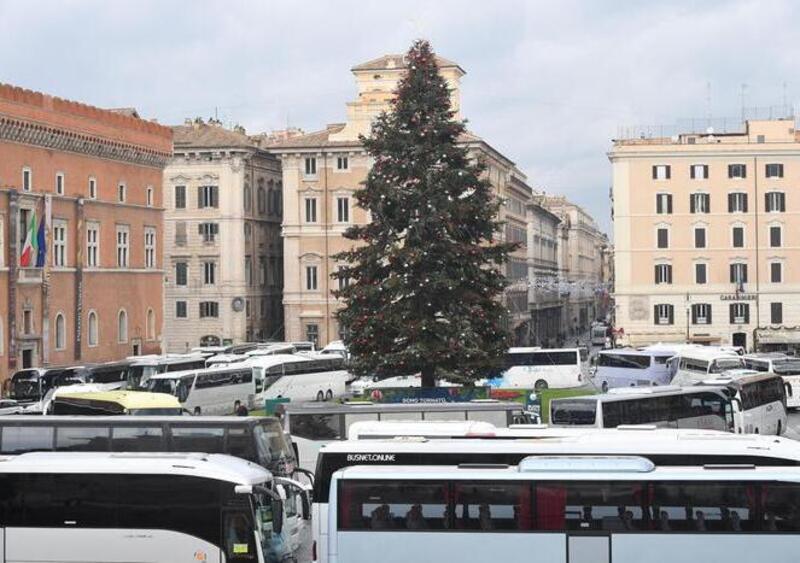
(704, 250)
(322, 170)
(544, 296)
(581, 246)
(222, 249)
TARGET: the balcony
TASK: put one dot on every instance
(29, 275)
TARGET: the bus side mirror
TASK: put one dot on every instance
(305, 504)
(277, 516)
(737, 403)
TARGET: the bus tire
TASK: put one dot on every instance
(780, 428)
(197, 411)
(540, 385)
(320, 396)
(328, 395)
(756, 431)
(604, 387)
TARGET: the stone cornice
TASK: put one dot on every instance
(56, 138)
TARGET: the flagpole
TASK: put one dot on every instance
(48, 199)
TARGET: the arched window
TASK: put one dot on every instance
(122, 326)
(248, 196)
(93, 331)
(61, 332)
(151, 325)
(262, 200)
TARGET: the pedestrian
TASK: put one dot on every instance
(242, 410)
(236, 404)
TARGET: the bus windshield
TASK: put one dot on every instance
(180, 387)
(272, 445)
(627, 361)
(25, 386)
(786, 367)
(573, 411)
(138, 376)
(722, 364)
(545, 358)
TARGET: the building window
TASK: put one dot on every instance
(775, 201)
(150, 327)
(60, 244)
(92, 245)
(311, 210)
(774, 170)
(248, 270)
(701, 314)
(312, 334)
(262, 271)
(27, 179)
(664, 314)
(121, 192)
(180, 309)
(661, 172)
(247, 198)
(311, 278)
(92, 188)
(311, 166)
(776, 272)
(737, 202)
(737, 237)
(208, 231)
(27, 322)
(739, 313)
(343, 280)
(60, 183)
(662, 237)
(209, 309)
(700, 273)
(149, 196)
(343, 209)
(776, 313)
(180, 197)
(262, 200)
(737, 171)
(149, 247)
(61, 332)
(180, 233)
(775, 236)
(93, 328)
(122, 246)
(700, 203)
(209, 273)
(663, 273)
(738, 273)
(663, 204)
(181, 273)
(207, 196)
(342, 163)
(699, 237)
(122, 326)
(698, 171)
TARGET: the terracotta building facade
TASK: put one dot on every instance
(80, 232)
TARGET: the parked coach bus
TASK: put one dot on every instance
(629, 367)
(758, 399)
(788, 367)
(539, 368)
(29, 386)
(107, 403)
(663, 447)
(588, 509)
(693, 365)
(312, 425)
(135, 507)
(258, 440)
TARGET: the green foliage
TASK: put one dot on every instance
(425, 274)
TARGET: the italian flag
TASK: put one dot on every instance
(30, 248)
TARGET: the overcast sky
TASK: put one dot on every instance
(548, 83)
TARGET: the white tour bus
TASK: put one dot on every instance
(693, 365)
(629, 367)
(141, 368)
(208, 391)
(299, 377)
(664, 407)
(149, 507)
(788, 367)
(539, 368)
(313, 425)
(599, 334)
(586, 509)
(758, 399)
(664, 447)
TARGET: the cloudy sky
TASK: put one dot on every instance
(548, 83)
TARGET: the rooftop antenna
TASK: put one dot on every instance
(743, 94)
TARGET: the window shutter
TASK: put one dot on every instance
(780, 170)
(730, 203)
(733, 273)
(659, 204)
(731, 309)
(692, 203)
(708, 314)
(671, 311)
(746, 313)
(707, 197)
(669, 203)
(705, 171)
(669, 171)
(200, 196)
(766, 202)
(199, 228)
(669, 274)
(655, 172)
(691, 171)
(744, 273)
(782, 199)
(730, 171)
(655, 314)
(694, 314)
(655, 274)
(744, 203)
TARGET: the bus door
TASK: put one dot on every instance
(589, 548)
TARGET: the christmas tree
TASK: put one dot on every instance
(426, 274)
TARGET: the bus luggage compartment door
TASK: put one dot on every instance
(589, 549)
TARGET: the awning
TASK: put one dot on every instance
(704, 339)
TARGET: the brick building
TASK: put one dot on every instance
(84, 185)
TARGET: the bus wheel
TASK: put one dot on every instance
(756, 430)
(197, 411)
(540, 385)
(780, 427)
(329, 395)
(604, 387)
(320, 397)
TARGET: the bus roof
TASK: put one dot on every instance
(530, 349)
(706, 353)
(127, 399)
(631, 393)
(637, 352)
(644, 440)
(167, 359)
(144, 420)
(368, 407)
(212, 369)
(737, 378)
(211, 466)
(572, 468)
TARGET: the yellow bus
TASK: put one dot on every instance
(141, 403)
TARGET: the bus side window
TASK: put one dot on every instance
(492, 506)
(197, 439)
(239, 540)
(137, 439)
(21, 439)
(240, 444)
(402, 505)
